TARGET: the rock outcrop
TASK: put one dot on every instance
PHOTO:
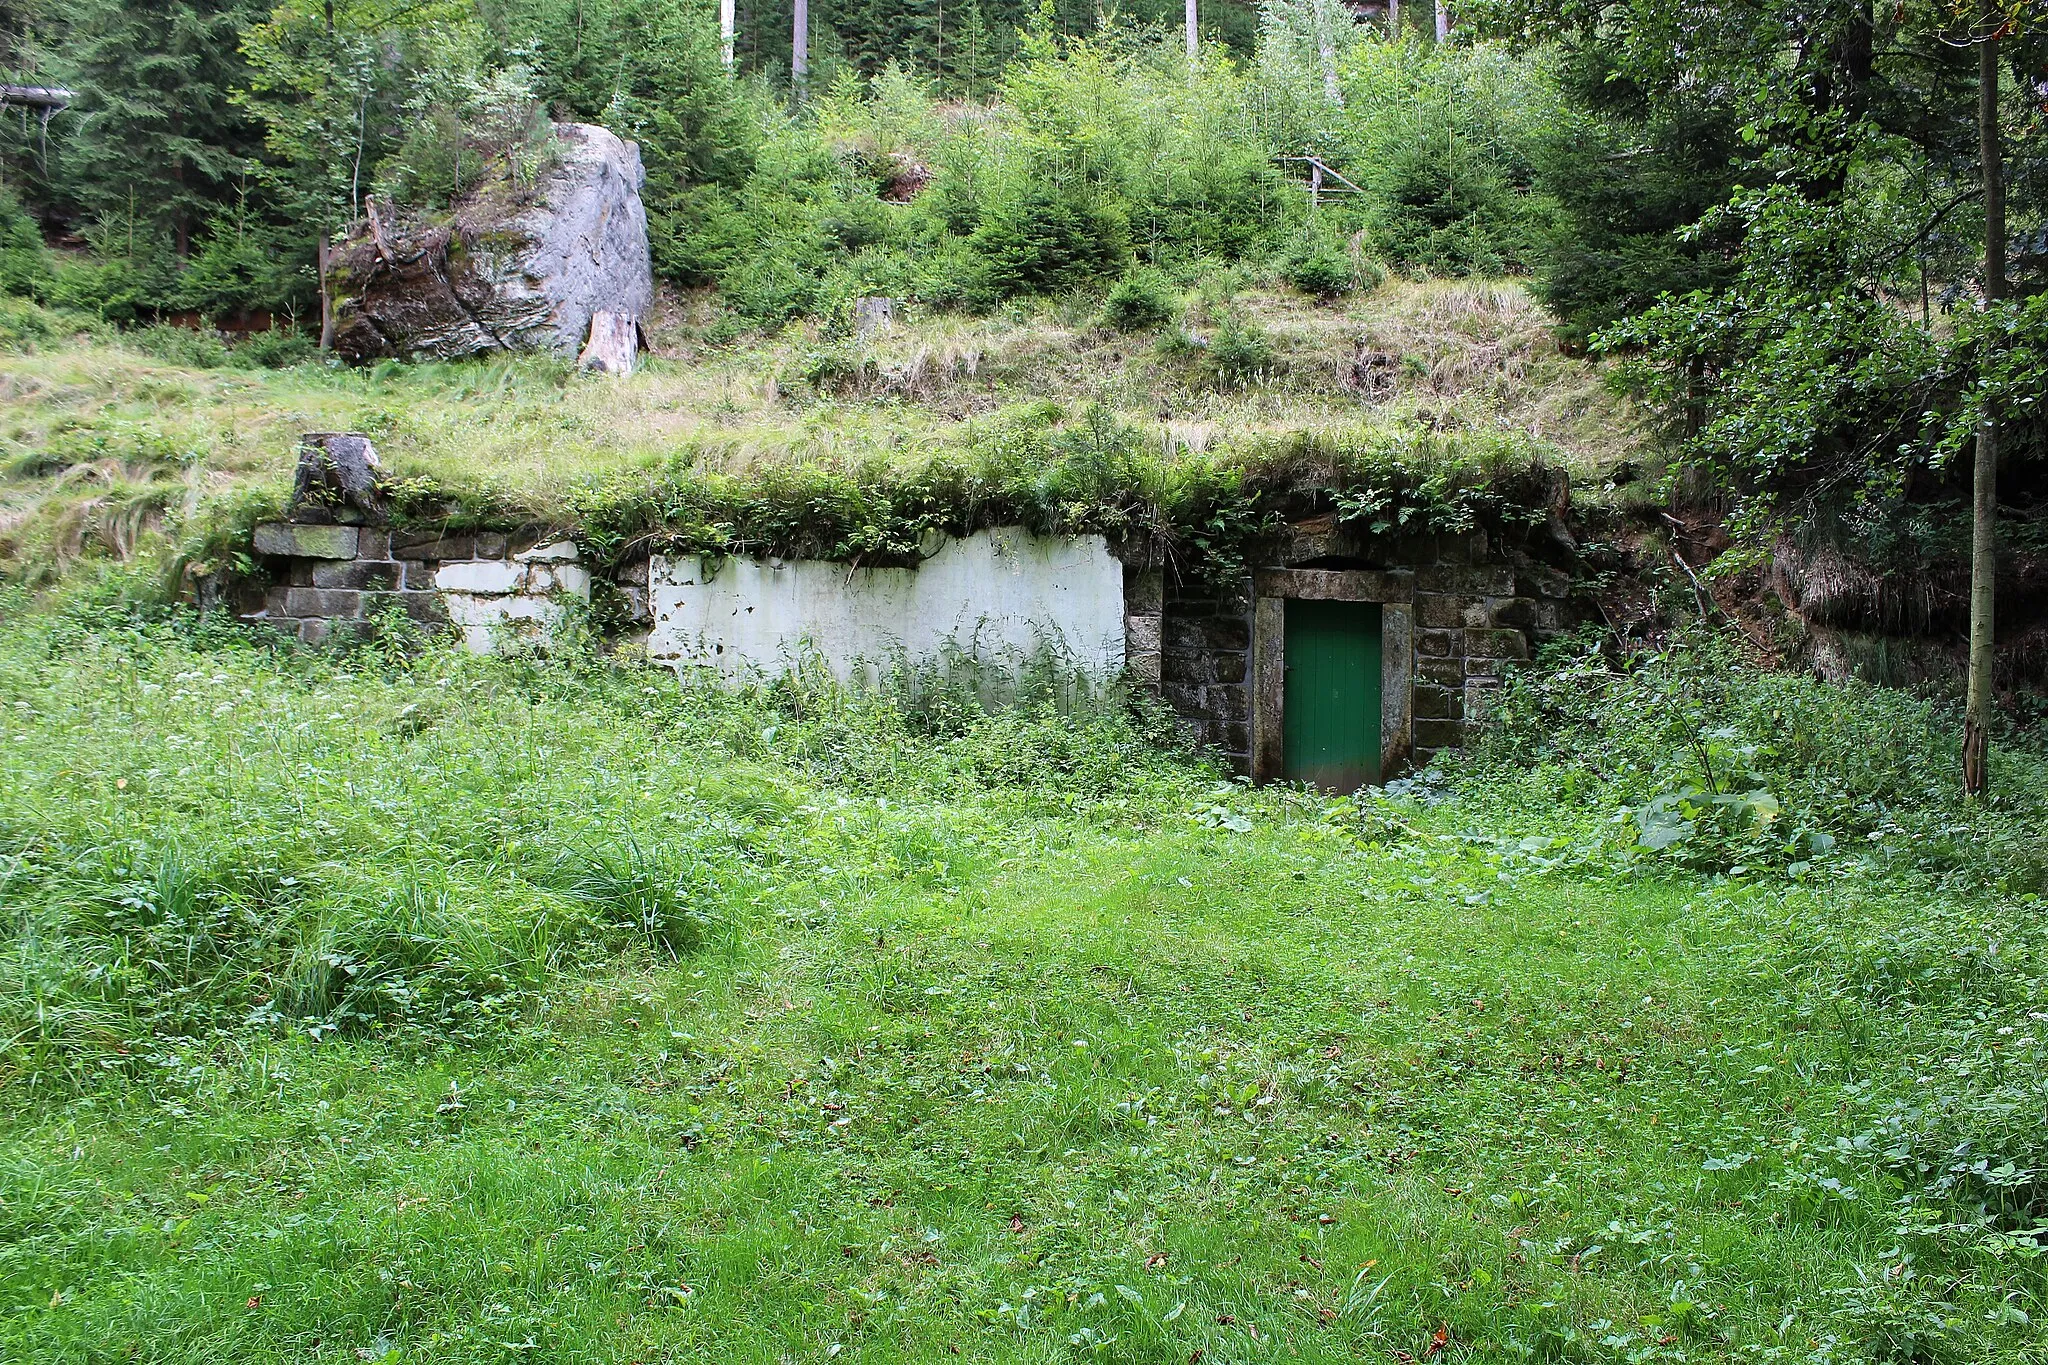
(508, 270)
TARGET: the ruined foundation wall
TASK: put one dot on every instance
(328, 579)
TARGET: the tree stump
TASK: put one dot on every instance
(338, 480)
(614, 343)
(871, 315)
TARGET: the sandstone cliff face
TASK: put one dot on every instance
(506, 271)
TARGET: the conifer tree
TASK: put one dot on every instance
(153, 131)
(973, 61)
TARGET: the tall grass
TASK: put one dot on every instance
(1696, 757)
(204, 833)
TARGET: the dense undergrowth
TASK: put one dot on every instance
(1691, 756)
(758, 1023)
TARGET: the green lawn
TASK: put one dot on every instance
(462, 1010)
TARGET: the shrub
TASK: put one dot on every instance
(277, 349)
(1719, 764)
(179, 346)
(1449, 211)
(1321, 271)
(24, 325)
(1048, 240)
(24, 265)
(952, 276)
(1139, 302)
(770, 289)
(1241, 355)
(838, 368)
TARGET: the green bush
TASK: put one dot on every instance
(1141, 301)
(1322, 271)
(245, 267)
(1447, 210)
(179, 346)
(25, 326)
(1241, 355)
(277, 349)
(24, 264)
(951, 276)
(1048, 240)
(1717, 764)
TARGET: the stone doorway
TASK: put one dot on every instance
(1393, 591)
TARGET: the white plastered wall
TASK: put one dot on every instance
(999, 596)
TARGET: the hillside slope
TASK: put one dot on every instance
(109, 437)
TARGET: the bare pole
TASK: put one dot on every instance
(324, 262)
(1984, 477)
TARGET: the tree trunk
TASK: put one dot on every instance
(1393, 21)
(323, 259)
(727, 26)
(800, 48)
(1194, 37)
(1984, 521)
(614, 343)
(1326, 52)
(1443, 22)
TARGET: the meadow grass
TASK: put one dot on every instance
(404, 1006)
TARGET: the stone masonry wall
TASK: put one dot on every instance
(1478, 610)
(326, 579)
(1205, 663)
(1473, 622)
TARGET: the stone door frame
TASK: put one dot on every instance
(1394, 591)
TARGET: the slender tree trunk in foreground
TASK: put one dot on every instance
(726, 29)
(800, 48)
(1393, 21)
(1194, 39)
(1326, 52)
(1443, 22)
(323, 259)
(1984, 520)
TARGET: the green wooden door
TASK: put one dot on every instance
(1330, 714)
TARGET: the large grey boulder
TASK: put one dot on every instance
(508, 269)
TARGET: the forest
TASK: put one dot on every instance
(1661, 382)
